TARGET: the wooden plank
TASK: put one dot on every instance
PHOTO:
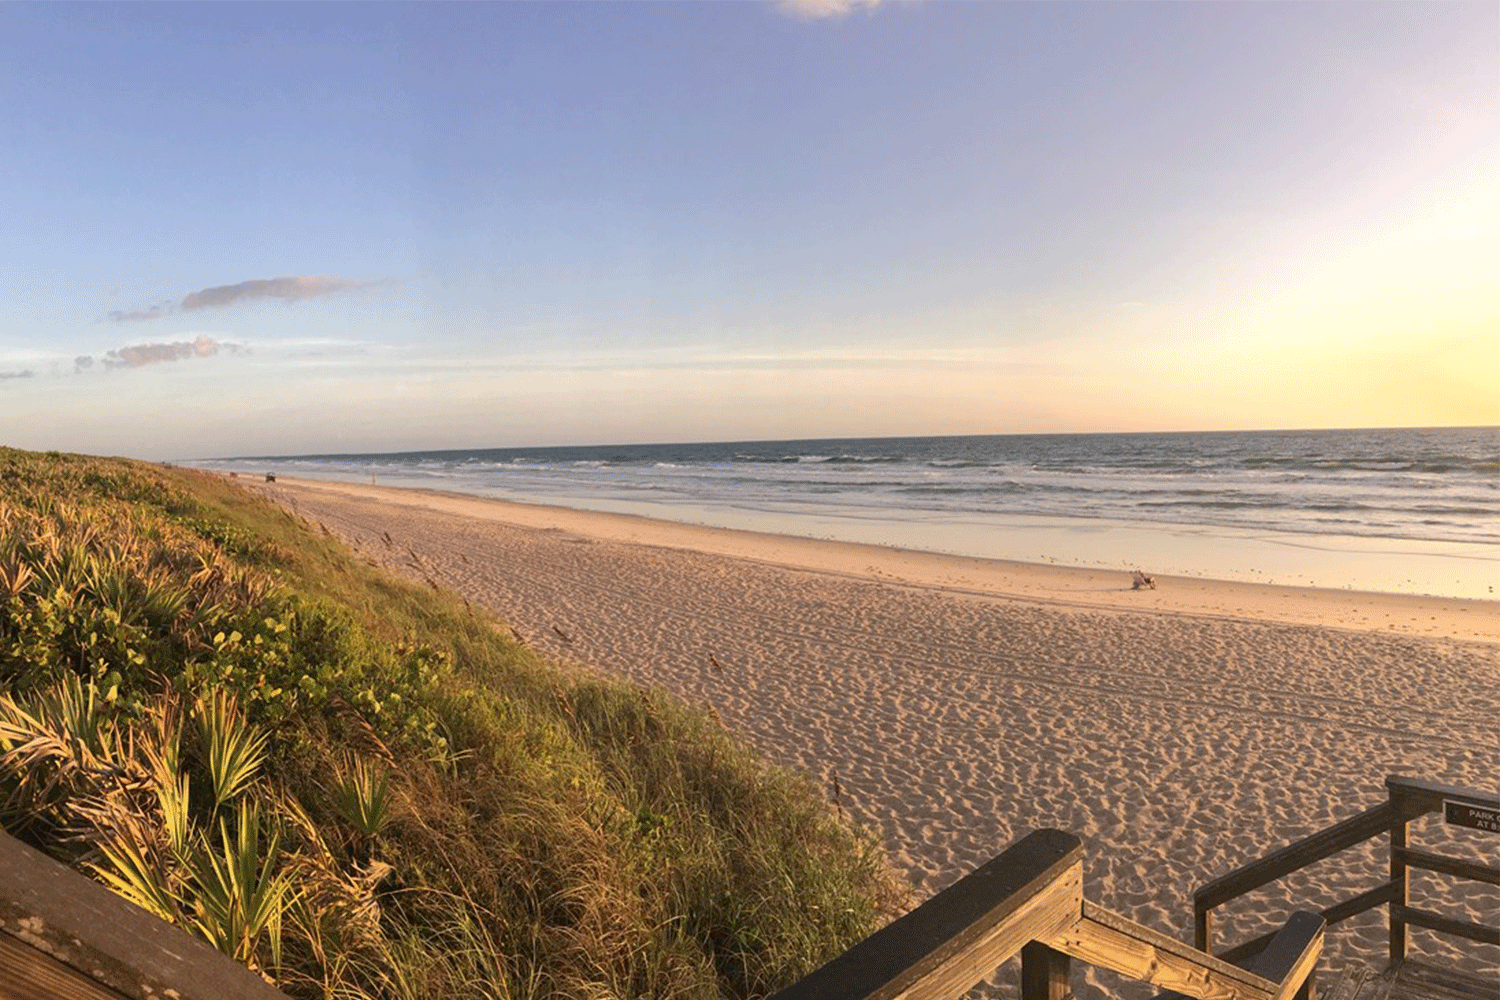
(1447, 925)
(956, 938)
(1292, 954)
(50, 907)
(1170, 945)
(1379, 987)
(1420, 981)
(1339, 912)
(1045, 974)
(1420, 796)
(1355, 905)
(1150, 957)
(28, 974)
(1348, 984)
(1457, 867)
(1354, 830)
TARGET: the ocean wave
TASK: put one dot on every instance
(842, 459)
(1433, 465)
(1439, 484)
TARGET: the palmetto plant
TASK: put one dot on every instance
(50, 745)
(362, 796)
(240, 898)
(121, 791)
(233, 750)
(14, 576)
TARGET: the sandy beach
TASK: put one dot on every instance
(960, 703)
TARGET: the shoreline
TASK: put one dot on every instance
(1329, 512)
(1042, 584)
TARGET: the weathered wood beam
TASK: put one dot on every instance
(1447, 925)
(1354, 830)
(1420, 796)
(961, 935)
(28, 974)
(48, 907)
(1449, 866)
(1113, 942)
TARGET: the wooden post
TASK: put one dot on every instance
(1045, 973)
(1401, 894)
(1203, 929)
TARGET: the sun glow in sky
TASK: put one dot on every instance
(233, 229)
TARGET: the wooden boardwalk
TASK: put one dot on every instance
(1029, 901)
(1411, 980)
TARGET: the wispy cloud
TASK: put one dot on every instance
(139, 315)
(286, 289)
(820, 10)
(136, 355)
(26, 364)
(292, 289)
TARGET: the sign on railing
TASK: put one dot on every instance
(1472, 816)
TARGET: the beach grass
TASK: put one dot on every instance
(360, 787)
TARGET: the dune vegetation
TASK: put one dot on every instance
(360, 787)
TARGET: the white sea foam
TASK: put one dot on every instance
(1414, 494)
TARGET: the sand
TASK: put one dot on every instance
(961, 703)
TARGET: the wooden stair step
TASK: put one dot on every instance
(1416, 980)
(1346, 985)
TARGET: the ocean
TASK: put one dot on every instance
(1405, 510)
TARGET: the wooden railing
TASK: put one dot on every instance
(65, 937)
(1407, 799)
(1030, 900)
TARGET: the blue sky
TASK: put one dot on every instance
(299, 227)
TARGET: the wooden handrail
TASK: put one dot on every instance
(1286, 956)
(1113, 942)
(952, 941)
(1030, 900)
(1407, 799)
(1456, 867)
(1338, 913)
(1422, 796)
(1323, 844)
(1292, 954)
(1447, 925)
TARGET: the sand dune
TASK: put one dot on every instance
(961, 703)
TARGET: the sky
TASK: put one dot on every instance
(305, 228)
